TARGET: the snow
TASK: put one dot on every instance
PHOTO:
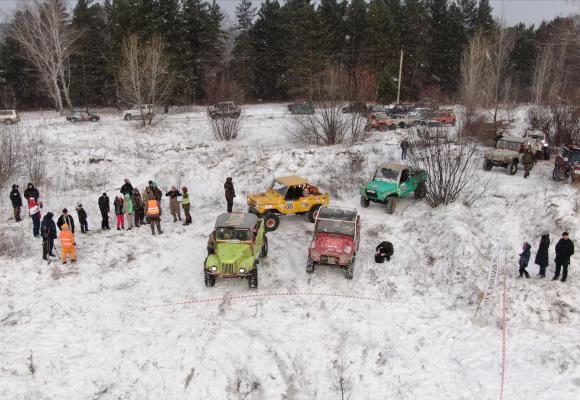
(110, 328)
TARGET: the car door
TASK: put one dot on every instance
(292, 200)
(405, 183)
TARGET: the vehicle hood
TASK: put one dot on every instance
(268, 197)
(381, 186)
(233, 253)
(328, 243)
(502, 153)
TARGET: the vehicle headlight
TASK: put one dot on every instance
(242, 270)
(344, 259)
(214, 268)
(314, 254)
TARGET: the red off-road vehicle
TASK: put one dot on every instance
(380, 121)
(567, 164)
(335, 241)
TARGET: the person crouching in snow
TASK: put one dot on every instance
(67, 244)
(82, 214)
(524, 260)
(118, 204)
(384, 250)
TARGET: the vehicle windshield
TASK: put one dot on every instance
(381, 117)
(508, 145)
(231, 233)
(573, 156)
(279, 187)
(335, 226)
(387, 174)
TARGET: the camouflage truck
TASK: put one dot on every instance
(508, 153)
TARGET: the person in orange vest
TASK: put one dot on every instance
(153, 213)
(67, 244)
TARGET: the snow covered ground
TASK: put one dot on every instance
(110, 328)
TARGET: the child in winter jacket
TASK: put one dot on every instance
(82, 214)
(128, 210)
(118, 204)
(524, 260)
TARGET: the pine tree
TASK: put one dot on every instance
(522, 59)
(484, 20)
(468, 9)
(356, 23)
(414, 42)
(331, 39)
(243, 51)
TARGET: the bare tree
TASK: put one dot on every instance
(144, 76)
(475, 76)
(498, 58)
(225, 128)
(541, 74)
(566, 125)
(453, 169)
(35, 156)
(46, 38)
(329, 125)
(10, 147)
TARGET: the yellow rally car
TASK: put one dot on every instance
(287, 195)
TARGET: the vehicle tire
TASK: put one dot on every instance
(253, 278)
(94, 120)
(264, 251)
(313, 213)
(382, 128)
(392, 127)
(349, 273)
(310, 266)
(271, 221)
(391, 204)
(209, 279)
(367, 128)
(513, 168)
(402, 125)
(128, 117)
(487, 165)
(421, 191)
(364, 202)
(556, 175)
(8, 121)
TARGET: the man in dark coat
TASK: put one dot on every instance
(404, 147)
(542, 254)
(564, 250)
(528, 161)
(104, 207)
(138, 206)
(16, 200)
(384, 250)
(127, 188)
(31, 191)
(66, 218)
(82, 214)
(48, 232)
(230, 193)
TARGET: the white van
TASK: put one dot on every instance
(9, 117)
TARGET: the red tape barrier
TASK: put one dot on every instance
(504, 334)
(261, 295)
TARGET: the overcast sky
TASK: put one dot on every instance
(512, 11)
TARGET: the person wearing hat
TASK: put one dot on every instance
(528, 161)
(564, 250)
(383, 251)
(82, 214)
(34, 211)
(31, 191)
(524, 260)
(67, 245)
(127, 188)
(16, 200)
(542, 254)
(230, 193)
(174, 203)
(104, 207)
(66, 218)
(48, 230)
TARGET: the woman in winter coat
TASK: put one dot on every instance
(173, 203)
(185, 203)
(128, 210)
(138, 207)
(524, 260)
(118, 204)
(542, 254)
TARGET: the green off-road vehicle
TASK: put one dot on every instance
(234, 248)
(508, 153)
(391, 182)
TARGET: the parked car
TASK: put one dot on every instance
(235, 246)
(539, 144)
(356, 107)
(287, 195)
(303, 108)
(444, 116)
(402, 120)
(507, 153)
(82, 116)
(9, 117)
(335, 240)
(391, 182)
(421, 114)
(567, 164)
(139, 111)
(379, 121)
(225, 109)
(432, 130)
